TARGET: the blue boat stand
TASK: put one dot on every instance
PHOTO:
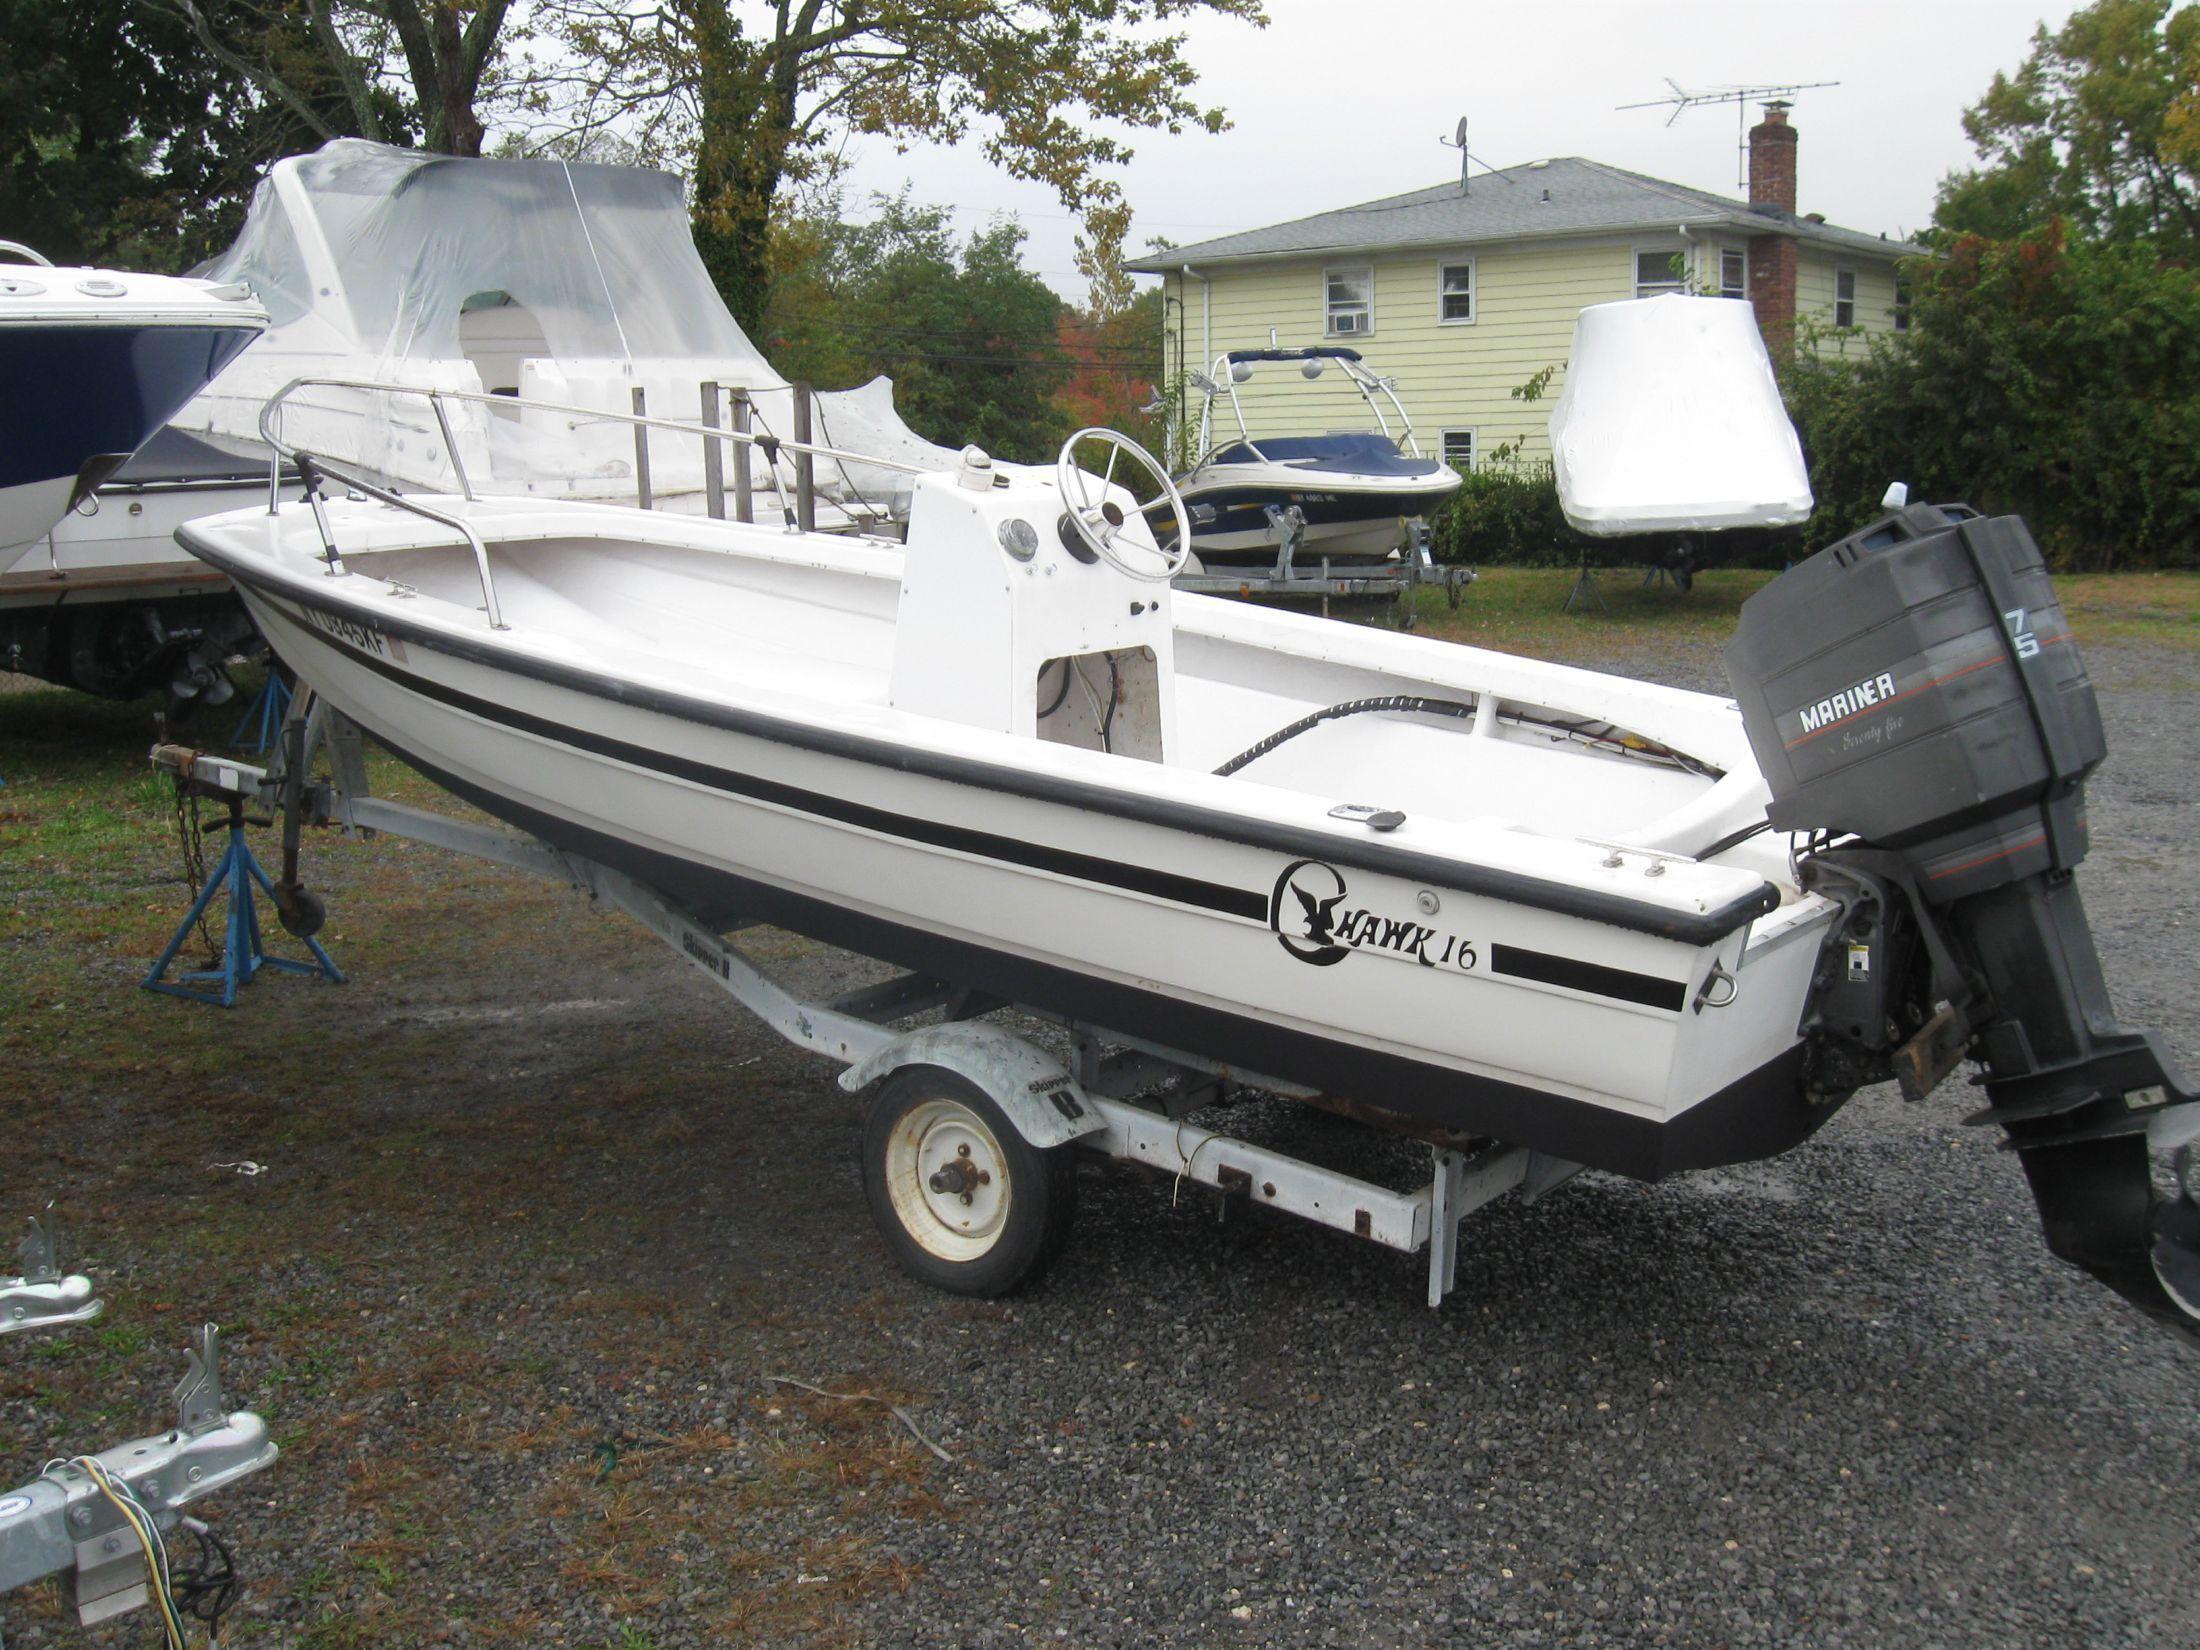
(243, 952)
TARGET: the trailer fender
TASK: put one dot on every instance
(1033, 1089)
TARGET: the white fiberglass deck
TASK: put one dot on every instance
(817, 620)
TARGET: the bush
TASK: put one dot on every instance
(2058, 380)
(1506, 514)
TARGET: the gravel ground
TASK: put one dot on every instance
(542, 1219)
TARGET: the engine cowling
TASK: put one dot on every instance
(1921, 713)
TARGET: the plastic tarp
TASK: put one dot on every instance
(1671, 421)
(568, 282)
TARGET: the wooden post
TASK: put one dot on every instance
(805, 476)
(744, 503)
(714, 474)
(641, 451)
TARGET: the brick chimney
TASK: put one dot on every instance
(1772, 256)
(1772, 160)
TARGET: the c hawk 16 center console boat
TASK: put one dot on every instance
(1482, 898)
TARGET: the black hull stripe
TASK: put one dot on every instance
(1593, 978)
(1139, 879)
(1430, 870)
(1620, 984)
(1759, 1115)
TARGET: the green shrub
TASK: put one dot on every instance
(1506, 514)
(2053, 378)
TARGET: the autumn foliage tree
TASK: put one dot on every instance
(2099, 127)
(763, 93)
(2052, 365)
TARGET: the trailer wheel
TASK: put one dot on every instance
(964, 1201)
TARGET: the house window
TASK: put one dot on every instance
(1655, 273)
(1349, 300)
(1844, 297)
(1455, 293)
(1459, 449)
(1733, 272)
(1902, 303)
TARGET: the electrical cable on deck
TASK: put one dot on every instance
(1609, 738)
(1350, 707)
(1061, 696)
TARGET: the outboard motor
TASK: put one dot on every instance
(1918, 708)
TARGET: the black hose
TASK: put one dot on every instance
(1734, 839)
(1463, 708)
(1059, 697)
(1351, 707)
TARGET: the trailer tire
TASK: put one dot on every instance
(965, 1202)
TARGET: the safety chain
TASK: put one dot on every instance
(191, 837)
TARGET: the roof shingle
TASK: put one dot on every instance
(1566, 196)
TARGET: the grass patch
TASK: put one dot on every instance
(1523, 610)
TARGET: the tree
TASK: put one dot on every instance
(763, 92)
(2100, 127)
(121, 141)
(442, 51)
(2048, 375)
(968, 334)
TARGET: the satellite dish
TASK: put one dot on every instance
(1459, 136)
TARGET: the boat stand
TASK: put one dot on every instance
(263, 718)
(244, 953)
(1585, 589)
(1114, 1094)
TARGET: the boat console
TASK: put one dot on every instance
(1019, 617)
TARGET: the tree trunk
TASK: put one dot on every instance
(747, 114)
(446, 63)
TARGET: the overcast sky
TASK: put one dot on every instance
(1339, 101)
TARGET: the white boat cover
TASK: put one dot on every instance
(569, 282)
(1671, 421)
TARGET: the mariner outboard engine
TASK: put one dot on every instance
(1919, 710)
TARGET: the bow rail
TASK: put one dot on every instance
(313, 466)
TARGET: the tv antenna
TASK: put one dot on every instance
(1741, 97)
(1458, 141)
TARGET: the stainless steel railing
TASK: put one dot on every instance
(715, 439)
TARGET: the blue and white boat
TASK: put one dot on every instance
(1355, 491)
(97, 361)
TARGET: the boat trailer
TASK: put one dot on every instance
(1113, 1094)
(1288, 580)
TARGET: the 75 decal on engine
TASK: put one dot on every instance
(1315, 921)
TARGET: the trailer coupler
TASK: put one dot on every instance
(77, 1519)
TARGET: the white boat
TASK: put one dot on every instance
(535, 281)
(574, 284)
(1351, 492)
(96, 360)
(1480, 895)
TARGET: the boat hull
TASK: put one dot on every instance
(1549, 1022)
(1231, 522)
(101, 392)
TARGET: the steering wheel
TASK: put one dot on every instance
(1097, 524)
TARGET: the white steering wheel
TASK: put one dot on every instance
(1098, 522)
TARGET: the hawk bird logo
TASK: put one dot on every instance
(1306, 923)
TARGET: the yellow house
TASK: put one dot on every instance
(1463, 293)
